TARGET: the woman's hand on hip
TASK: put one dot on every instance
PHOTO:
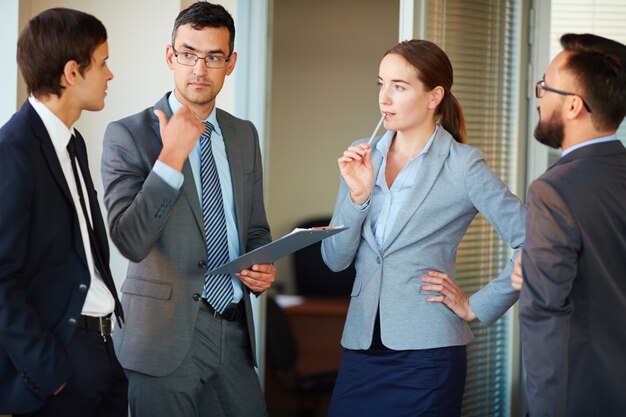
(358, 172)
(517, 279)
(451, 294)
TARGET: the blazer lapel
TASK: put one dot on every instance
(191, 194)
(377, 160)
(47, 148)
(189, 186)
(428, 173)
(52, 160)
(234, 150)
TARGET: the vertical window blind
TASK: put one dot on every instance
(600, 17)
(480, 38)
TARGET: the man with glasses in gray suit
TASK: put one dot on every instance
(184, 190)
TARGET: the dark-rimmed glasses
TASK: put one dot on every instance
(541, 86)
(190, 59)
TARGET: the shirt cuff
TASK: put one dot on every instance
(168, 174)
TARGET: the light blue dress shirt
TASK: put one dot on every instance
(175, 179)
(589, 142)
(386, 202)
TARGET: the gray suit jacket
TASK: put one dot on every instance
(160, 230)
(573, 302)
(454, 184)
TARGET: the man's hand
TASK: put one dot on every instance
(258, 278)
(179, 135)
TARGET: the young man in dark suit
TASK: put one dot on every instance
(56, 291)
(573, 299)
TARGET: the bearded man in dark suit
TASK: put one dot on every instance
(573, 300)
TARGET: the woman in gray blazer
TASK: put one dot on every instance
(408, 200)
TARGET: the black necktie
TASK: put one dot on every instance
(105, 272)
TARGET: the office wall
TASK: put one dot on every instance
(8, 39)
(323, 96)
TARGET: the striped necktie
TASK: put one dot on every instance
(218, 289)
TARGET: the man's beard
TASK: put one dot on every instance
(551, 132)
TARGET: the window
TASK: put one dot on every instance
(481, 39)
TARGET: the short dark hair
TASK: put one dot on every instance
(202, 15)
(50, 40)
(599, 66)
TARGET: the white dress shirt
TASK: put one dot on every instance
(99, 301)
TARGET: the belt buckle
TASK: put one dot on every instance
(111, 325)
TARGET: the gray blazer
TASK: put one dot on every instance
(160, 230)
(454, 184)
(573, 302)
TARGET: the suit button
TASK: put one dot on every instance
(196, 296)
(82, 288)
(72, 321)
(202, 264)
(378, 260)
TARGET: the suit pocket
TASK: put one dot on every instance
(147, 288)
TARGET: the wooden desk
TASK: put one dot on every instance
(317, 324)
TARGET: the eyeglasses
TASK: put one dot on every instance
(541, 86)
(190, 60)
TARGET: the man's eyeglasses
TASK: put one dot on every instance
(541, 87)
(211, 61)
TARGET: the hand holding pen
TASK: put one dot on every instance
(357, 170)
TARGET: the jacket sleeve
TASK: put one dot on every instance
(507, 215)
(339, 250)
(258, 230)
(138, 201)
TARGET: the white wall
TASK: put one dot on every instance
(9, 16)
(324, 68)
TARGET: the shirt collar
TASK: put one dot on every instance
(175, 105)
(384, 143)
(58, 132)
(589, 142)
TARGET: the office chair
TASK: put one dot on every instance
(313, 277)
(282, 354)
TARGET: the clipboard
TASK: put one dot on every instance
(279, 248)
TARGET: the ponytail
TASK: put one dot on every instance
(434, 69)
(451, 117)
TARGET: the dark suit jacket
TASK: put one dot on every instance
(573, 302)
(160, 230)
(44, 275)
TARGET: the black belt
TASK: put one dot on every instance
(233, 313)
(102, 325)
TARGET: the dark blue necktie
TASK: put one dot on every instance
(218, 289)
